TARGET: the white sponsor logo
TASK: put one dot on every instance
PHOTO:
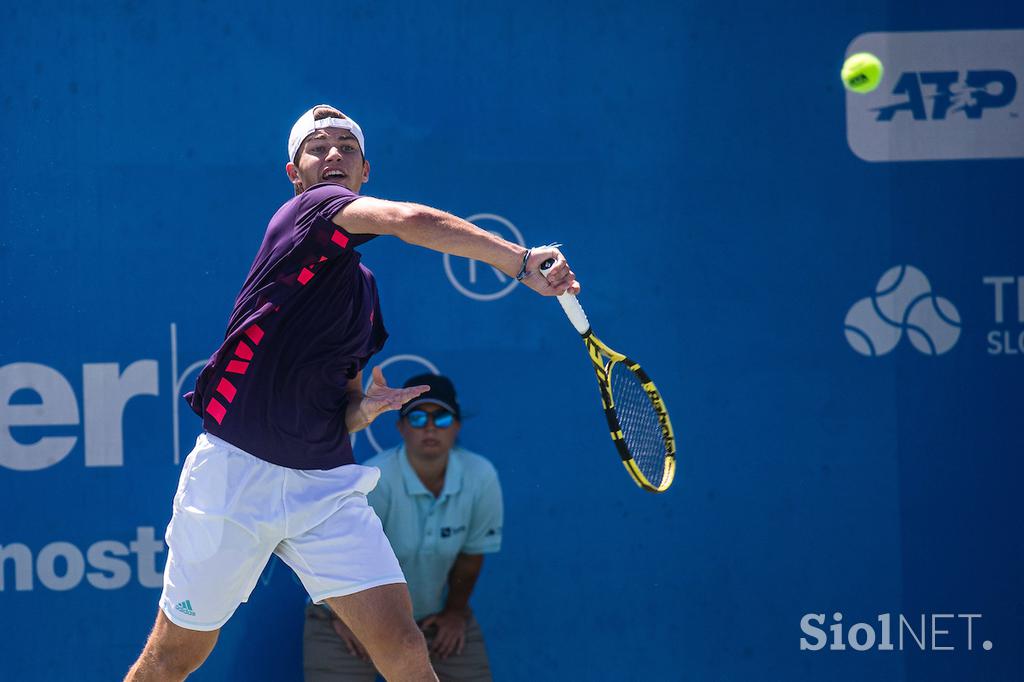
(45, 398)
(35, 398)
(61, 566)
(944, 95)
(481, 281)
(902, 302)
(924, 632)
(1007, 335)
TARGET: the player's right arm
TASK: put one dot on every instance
(435, 229)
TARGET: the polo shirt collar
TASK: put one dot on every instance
(452, 475)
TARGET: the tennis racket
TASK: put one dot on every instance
(636, 414)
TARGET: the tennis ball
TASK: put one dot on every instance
(933, 325)
(868, 332)
(862, 72)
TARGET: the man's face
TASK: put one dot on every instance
(429, 441)
(329, 155)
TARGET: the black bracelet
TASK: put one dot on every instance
(522, 270)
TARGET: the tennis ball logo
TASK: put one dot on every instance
(902, 301)
(867, 331)
(933, 325)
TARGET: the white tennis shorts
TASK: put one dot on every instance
(233, 510)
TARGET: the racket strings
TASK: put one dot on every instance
(638, 419)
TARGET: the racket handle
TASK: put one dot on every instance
(570, 304)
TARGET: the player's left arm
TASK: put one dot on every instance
(451, 622)
(363, 408)
(435, 229)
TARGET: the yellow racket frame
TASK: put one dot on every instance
(597, 350)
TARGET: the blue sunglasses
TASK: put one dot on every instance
(418, 418)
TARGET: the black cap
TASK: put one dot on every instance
(442, 393)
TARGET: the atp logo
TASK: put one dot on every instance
(482, 282)
(944, 95)
(902, 302)
(949, 94)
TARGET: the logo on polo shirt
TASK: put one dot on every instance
(448, 531)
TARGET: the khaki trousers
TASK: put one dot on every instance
(326, 659)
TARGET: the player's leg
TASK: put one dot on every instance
(216, 552)
(325, 656)
(172, 652)
(381, 617)
(342, 556)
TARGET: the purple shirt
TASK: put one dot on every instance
(306, 322)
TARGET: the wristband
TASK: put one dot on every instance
(522, 270)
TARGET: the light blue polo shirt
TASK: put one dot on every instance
(428, 533)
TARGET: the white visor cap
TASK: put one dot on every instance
(306, 126)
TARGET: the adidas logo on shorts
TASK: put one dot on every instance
(185, 607)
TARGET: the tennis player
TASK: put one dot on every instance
(273, 472)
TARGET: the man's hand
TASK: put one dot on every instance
(560, 277)
(351, 643)
(451, 633)
(379, 398)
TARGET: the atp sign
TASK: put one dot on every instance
(971, 94)
(944, 95)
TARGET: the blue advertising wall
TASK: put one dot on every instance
(831, 303)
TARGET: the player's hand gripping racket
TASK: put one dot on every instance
(636, 414)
